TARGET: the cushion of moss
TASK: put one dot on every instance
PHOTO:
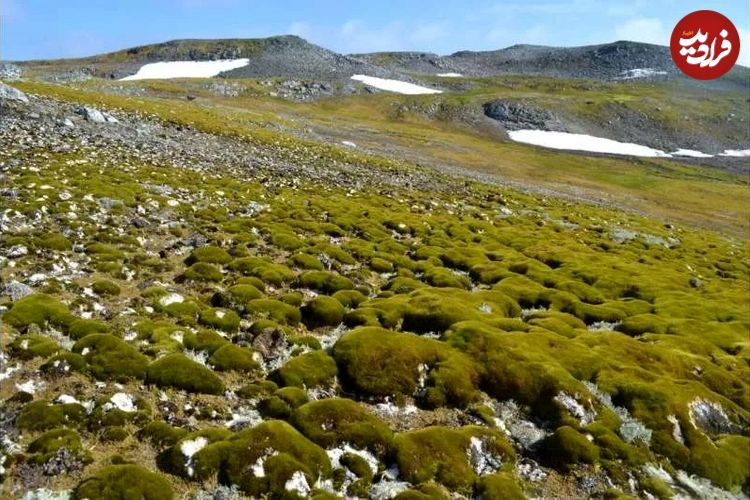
(322, 311)
(125, 482)
(312, 369)
(499, 486)
(114, 434)
(53, 241)
(48, 443)
(83, 327)
(440, 454)
(274, 407)
(229, 322)
(40, 415)
(160, 433)
(643, 323)
(38, 309)
(306, 261)
(76, 362)
(207, 461)
(324, 281)
(256, 390)
(256, 282)
(350, 298)
(202, 271)
(175, 370)
(295, 450)
(567, 447)
(268, 272)
(105, 287)
(424, 491)
(380, 362)
(294, 396)
(276, 310)
(293, 298)
(32, 346)
(726, 462)
(286, 241)
(334, 421)
(212, 255)
(231, 357)
(244, 293)
(111, 357)
(204, 340)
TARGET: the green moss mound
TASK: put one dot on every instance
(221, 319)
(331, 422)
(231, 357)
(276, 310)
(83, 327)
(325, 282)
(45, 446)
(440, 454)
(500, 486)
(175, 370)
(209, 254)
(202, 271)
(568, 447)
(109, 357)
(105, 288)
(40, 416)
(33, 346)
(312, 369)
(294, 453)
(124, 482)
(38, 309)
(323, 311)
(380, 362)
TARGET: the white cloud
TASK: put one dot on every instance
(644, 29)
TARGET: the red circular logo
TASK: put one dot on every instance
(705, 45)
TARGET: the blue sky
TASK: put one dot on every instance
(53, 28)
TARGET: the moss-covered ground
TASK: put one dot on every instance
(332, 306)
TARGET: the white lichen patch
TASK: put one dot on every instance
(584, 415)
(122, 401)
(298, 484)
(481, 458)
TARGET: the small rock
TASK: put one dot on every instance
(16, 290)
(12, 94)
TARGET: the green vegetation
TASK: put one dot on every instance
(323, 311)
(175, 370)
(38, 309)
(110, 357)
(126, 482)
(310, 370)
(439, 453)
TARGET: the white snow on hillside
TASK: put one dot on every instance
(582, 142)
(450, 75)
(631, 74)
(739, 153)
(394, 85)
(186, 69)
(691, 153)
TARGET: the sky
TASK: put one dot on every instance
(41, 29)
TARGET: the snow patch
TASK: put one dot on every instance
(185, 69)
(190, 448)
(172, 298)
(631, 74)
(737, 153)
(122, 401)
(691, 153)
(298, 484)
(450, 75)
(394, 85)
(583, 142)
